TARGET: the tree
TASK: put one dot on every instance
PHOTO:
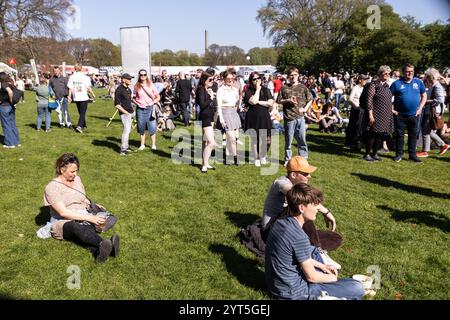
(224, 55)
(103, 52)
(78, 49)
(313, 24)
(263, 56)
(361, 49)
(34, 18)
(294, 56)
(435, 51)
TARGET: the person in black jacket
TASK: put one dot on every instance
(204, 97)
(183, 92)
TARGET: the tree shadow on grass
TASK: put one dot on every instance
(241, 220)
(43, 217)
(428, 218)
(398, 185)
(106, 144)
(330, 144)
(245, 270)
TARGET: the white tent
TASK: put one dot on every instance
(5, 68)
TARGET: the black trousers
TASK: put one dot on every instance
(373, 142)
(82, 109)
(82, 234)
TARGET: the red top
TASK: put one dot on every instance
(277, 84)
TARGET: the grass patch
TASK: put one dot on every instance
(178, 227)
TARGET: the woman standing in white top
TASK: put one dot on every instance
(227, 101)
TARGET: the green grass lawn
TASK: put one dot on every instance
(178, 226)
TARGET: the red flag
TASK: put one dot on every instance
(12, 61)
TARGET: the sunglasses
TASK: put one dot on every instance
(143, 75)
(210, 80)
(254, 79)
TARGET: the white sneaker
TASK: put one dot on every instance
(263, 161)
(285, 163)
(142, 147)
(327, 260)
(153, 147)
(257, 163)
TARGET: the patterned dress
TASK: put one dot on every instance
(379, 100)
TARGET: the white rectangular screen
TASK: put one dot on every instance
(135, 44)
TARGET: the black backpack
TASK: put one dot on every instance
(17, 95)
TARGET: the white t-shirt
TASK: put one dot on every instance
(20, 85)
(339, 84)
(79, 83)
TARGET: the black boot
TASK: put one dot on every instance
(236, 161)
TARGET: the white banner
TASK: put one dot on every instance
(135, 44)
(33, 66)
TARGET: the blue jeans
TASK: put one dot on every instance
(343, 288)
(41, 110)
(8, 119)
(338, 97)
(145, 120)
(295, 129)
(410, 123)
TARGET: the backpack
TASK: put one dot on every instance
(17, 95)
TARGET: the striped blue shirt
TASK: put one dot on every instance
(287, 247)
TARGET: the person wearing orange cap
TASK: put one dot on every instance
(299, 171)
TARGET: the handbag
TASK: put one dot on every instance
(97, 210)
(53, 104)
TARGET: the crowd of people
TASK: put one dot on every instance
(379, 109)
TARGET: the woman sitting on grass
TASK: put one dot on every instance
(70, 219)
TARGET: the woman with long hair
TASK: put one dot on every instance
(259, 101)
(227, 101)
(204, 96)
(146, 96)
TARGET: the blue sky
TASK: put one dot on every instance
(180, 25)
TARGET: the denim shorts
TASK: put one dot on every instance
(145, 120)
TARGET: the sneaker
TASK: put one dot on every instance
(422, 154)
(115, 240)
(204, 169)
(263, 161)
(398, 158)
(142, 147)
(444, 149)
(239, 142)
(48, 130)
(104, 250)
(8, 147)
(123, 152)
(154, 147)
(368, 158)
(376, 157)
(327, 260)
(383, 150)
(79, 129)
(69, 126)
(257, 163)
(19, 145)
(415, 159)
(210, 167)
(285, 163)
(61, 126)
